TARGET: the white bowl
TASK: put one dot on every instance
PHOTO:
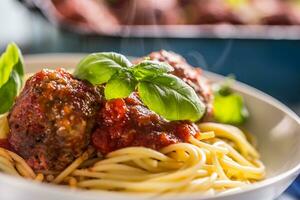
(276, 127)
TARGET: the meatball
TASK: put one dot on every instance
(192, 76)
(273, 12)
(127, 122)
(147, 12)
(52, 119)
(209, 12)
(88, 15)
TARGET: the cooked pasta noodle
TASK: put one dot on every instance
(3, 126)
(207, 164)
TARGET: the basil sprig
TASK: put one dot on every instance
(161, 92)
(121, 85)
(98, 68)
(11, 76)
(229, 106)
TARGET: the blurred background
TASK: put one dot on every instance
(256, 40)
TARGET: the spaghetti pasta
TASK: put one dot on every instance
(207, 164)
(3, 126)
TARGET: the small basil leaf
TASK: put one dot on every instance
(120, 86)
(229, 106)
(9, 91)
(11, 76)
(98, 68)
(224, 88)
(150, 68)
(171, 98)
(10, 60)
(230, 109)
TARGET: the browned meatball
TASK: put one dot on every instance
(51, 121)
(274, 12)
(147, 12)
(209, 12)
(192, 76)
(88, 15)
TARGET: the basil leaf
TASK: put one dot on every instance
(229, 107)
(9, 91)
(151, 68)
(98, 68)
(10, 60)
(165, 94)
(120, 86)
(11, 76)
(171, 98)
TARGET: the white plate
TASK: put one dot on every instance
(276, 127)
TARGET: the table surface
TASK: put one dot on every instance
(271, 66)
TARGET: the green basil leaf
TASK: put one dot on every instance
(121, 85)
(165, 94)
(98, 68)
(9, 91)
(230, 109)
(10, 60)
(151, 68)
(171, 98)
(229, 106)
(11, 76)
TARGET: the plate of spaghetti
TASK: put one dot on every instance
(101, 126)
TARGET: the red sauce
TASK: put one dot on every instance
(4, 144)
(127, 122)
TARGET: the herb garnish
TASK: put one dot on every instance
(229, 106)
(163, 93)
(11, 76)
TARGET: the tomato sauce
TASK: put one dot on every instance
(127, 122)
(4, 144)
